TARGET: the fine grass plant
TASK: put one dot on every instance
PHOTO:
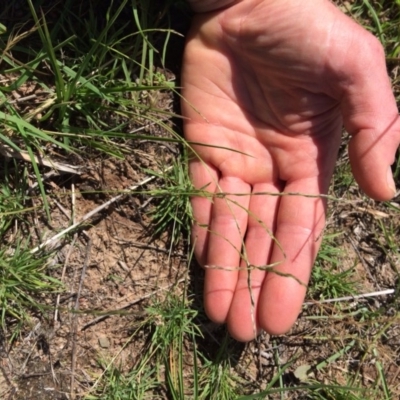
(23, 281)
(86, 91)
(24, 276)
(83, 82)
(172, 213)
(329, 280)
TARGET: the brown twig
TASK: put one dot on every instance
(146, 246)
(75, 318)
(62, 277)
(68, 215)
(91, 214)
(8, 152)
(364, 264)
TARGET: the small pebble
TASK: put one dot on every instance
(104, 342)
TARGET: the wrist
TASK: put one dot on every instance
(201, 6)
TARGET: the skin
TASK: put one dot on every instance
(271, 84)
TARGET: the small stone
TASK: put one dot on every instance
(123, 291)
(104, 342)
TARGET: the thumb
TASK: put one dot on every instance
(371, 117)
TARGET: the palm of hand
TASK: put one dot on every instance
(272, 108)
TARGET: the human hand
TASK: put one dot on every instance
(268, 85)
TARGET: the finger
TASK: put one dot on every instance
(300, 223)
(242, 317)
(203, 177)
(227, 229)
(371, 117)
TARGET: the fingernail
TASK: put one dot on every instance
(390, 181)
